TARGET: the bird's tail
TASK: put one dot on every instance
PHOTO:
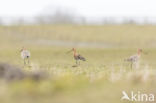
(83, 59)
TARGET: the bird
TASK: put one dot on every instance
(25, 55)
(134, 59)
(77, 56)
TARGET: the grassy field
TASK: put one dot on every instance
(100, 79)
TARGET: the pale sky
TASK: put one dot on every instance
(86, 8)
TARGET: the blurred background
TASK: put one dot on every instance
(105, 32)
(77, 12)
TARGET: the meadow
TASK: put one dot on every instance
(100, 79)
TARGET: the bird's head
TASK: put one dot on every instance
(73, 49)
(141, 51)
(23, 48)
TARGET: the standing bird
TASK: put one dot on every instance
(134, 59)
(25, 54)
(77, 56)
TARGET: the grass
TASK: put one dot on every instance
(112, 35)
(101, 79)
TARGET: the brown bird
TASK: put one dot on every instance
(77, 56)
(134, 59)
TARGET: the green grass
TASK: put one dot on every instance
(111, 35)
(101, 79)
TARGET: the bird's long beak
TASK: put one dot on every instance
(20, 50)
(144, 52)
(69, 51)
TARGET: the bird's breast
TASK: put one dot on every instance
(25, 54)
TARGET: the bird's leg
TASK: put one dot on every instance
(137, 65)
(79, 62)
(24, 62)
(76, 62)
(28, 61)
(131, 65)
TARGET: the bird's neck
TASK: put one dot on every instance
(139, 53)
(75, 54)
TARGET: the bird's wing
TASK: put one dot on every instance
(81, 57)
(27, 53)
(132, 58)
